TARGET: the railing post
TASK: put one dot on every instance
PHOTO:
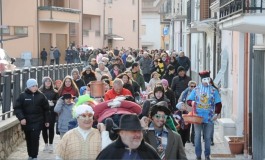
(33, 73)
(69, 69)
(46, 71)
(25, 77)
(51, 71)
(56, 73)
(17, 84)
(61, 72)
(65, 70)
(39, 74)
(6, 92)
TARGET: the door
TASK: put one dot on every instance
(45, 42)
(61, 44)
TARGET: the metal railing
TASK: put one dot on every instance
(229, 8)
(13, 83)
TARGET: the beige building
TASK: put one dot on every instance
(28, 26)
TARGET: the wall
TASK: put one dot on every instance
(11, 136)
(153, 35)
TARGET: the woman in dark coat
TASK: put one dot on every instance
(32, 110)
(88, 75)
(51, 94)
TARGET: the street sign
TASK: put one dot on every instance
(165, 31)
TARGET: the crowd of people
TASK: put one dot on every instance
(139, 115)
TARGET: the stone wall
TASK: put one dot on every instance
(11, 136)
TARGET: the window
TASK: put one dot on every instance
(143, 30)
(5, 31)
(109, 25)
(21, 30)
(134, 25)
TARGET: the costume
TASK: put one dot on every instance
(73, 145)
(102, 110)
(117, 150)
(207, 101)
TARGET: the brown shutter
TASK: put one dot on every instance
(204, 9)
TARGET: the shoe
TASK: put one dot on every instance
(212, 144)
(207, 158)
(50, 148)
(198, 158)
(46, 148)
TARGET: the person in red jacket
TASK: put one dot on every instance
(117, 90)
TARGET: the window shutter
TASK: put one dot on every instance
(204, 9)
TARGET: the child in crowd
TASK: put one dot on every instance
(183, 128)
(64, 108)
(154, 80)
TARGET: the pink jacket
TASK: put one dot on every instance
(102, 110)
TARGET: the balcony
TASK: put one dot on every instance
(245, 16)
(59, 14)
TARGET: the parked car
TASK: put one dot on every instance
(6, 63)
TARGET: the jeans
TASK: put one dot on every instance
(207, 131)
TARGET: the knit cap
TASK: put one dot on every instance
(31, 82)
(81, 109)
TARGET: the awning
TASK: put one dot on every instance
(114, 37)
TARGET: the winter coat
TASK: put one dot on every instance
(169, 78)
(179, 84)
(117, 149)
(88, 77)
(65, 114)
(79, 83)
(145, 64)
(99, 73)
(43, 55)
(184, 62)
(172, 98)
(34, 108)
(139, 79)
(56, 53)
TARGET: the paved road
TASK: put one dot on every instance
(220, 147)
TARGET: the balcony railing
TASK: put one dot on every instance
(229, 8)
(59, 9)
(59, 14)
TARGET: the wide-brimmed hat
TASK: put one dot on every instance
(129, 122)
(68, 96)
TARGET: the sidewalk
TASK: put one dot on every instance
(220, 150)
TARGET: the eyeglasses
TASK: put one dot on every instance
(192, 86)
(159, 116)
(85, 116)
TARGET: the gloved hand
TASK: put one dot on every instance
(51, 103)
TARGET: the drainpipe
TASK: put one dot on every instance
(104, 12)
(38, 33)
(246, 129)
(138, 12)
(246, 91)
(1, 22)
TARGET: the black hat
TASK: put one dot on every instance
(180, 68)
(68, 96)
(159, 107)
(204, 74)
(129, 122)
(170, 67)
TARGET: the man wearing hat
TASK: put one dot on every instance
(130, 143)
(208, 105)
(83, 142)
(167, 142)
(180, 82)
(32, 110)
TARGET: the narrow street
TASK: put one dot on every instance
(220, 150)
